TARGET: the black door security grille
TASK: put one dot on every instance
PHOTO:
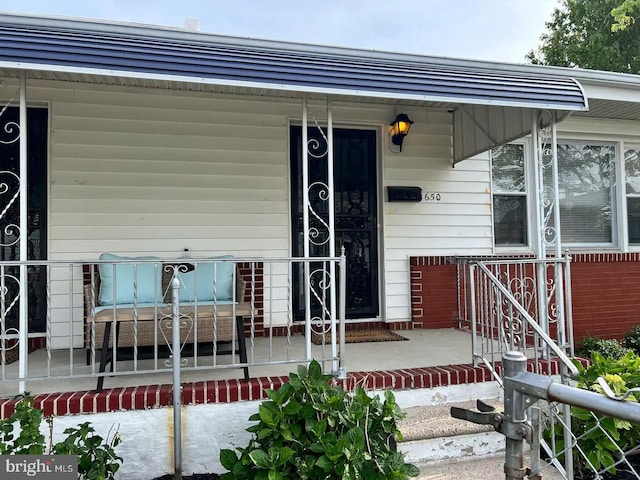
(355, 203)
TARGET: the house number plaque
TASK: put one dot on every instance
(432, 197)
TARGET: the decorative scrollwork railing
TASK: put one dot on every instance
(185, 322)
(514, 305)
(319, 286)
(10, 231)
(548, 197)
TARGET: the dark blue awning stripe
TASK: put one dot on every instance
(145, 54)
(196, 51)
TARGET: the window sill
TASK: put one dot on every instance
(513, 251)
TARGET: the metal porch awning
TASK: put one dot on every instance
(490, 106)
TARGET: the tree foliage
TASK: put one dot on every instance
(625, 15)
(593, 34)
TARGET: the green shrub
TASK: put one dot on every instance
(29, 440)
(607, 347)
(311, 430)
(96, 456)
(632, 339)
(603, 452)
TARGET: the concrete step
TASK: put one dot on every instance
(478, 468)
(444, 447)
(430, 434)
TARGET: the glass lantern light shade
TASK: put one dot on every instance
(399, 129)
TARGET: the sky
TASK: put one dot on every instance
(497, 30)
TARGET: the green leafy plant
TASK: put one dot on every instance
(631, 339)
(97, 458)
(607, 347)
(309, 429)
(602, 438)
(29, 440)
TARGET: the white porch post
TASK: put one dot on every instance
(23, 239)
(548, 215)
(541, 216)
(561, 334)
(538, 240)
(558, 277)
(557, 240)
(544, 134)
(332, 236)
(548, 207)
(305, 228)
(322, 232)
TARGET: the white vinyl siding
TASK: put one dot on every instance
(146, 172)
(459, 223)
(129, 168)
(153, 172)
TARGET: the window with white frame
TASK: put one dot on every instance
(509, 188)
(632, 190)
(586, 178)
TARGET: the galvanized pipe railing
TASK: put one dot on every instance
(177, 383)
(523, 389)
(521, 421)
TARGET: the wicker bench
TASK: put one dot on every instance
(144, 326)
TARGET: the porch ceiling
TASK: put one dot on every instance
(613, 109)
(499, 102)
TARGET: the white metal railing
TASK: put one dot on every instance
(523, 307)
(71, 307)
(517, 305)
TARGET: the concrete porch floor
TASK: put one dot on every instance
(425, 348)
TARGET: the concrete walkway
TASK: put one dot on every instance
(475, 468)
(489, 468)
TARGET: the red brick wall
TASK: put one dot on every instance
(434, 302)
(605, 293)
(253, 275)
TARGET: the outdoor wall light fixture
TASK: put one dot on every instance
(399, 129)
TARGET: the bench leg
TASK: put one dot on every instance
(104, 355)
(242, 345)
(114, 360)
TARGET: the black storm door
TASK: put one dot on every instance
(37, 131)
(356, 215)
